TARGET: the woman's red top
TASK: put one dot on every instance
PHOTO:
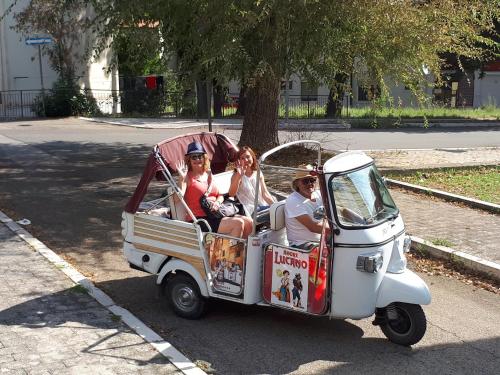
(195, 189)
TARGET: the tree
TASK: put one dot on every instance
(262, 41)
(63, 20)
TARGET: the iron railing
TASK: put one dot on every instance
(15, 104)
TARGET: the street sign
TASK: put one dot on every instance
(38, 41)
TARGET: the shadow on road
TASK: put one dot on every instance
(238, 339)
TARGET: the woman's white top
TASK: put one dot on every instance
(246, 192)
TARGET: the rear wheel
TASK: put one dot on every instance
(185, 298)
(405, 323)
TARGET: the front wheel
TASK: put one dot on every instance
(405, 323)
(185, 297)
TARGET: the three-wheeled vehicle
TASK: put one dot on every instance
(356, 271)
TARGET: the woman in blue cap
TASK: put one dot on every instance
(194, 180)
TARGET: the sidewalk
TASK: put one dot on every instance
(465, 229)
(48, 326)
(437, 158)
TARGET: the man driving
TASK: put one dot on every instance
(303, 230)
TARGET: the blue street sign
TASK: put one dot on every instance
(37, 41)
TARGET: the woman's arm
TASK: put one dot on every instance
(265, 193)
(182, 171)
(235, 184)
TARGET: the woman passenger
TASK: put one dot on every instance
(194, 178)
(244, 181)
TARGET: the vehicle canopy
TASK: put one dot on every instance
(218, 147)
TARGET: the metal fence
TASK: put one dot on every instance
(17, 104)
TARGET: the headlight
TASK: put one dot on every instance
(407, 244)
(370, 262)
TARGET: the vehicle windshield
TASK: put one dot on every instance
(361, 198)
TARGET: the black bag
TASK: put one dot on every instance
(227, 208)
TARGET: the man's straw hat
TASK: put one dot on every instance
(304, 173)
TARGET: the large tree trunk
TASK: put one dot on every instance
(260, 124)
(336, 97)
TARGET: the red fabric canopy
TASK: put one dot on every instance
(219, 149)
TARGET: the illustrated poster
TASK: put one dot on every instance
(290, 278)
(227, 259)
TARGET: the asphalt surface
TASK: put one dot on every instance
(72, 179)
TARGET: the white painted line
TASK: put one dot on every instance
(165, 348)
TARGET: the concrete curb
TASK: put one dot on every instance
(495, 208)
(293, 124)
(163, 347)
(469, 261)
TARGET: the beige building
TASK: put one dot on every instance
(20, 80)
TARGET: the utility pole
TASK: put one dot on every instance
(41, 77)
(209, 104)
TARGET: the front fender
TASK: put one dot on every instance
(403, 287)
(180, 265)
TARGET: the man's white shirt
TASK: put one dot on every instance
(298, 205)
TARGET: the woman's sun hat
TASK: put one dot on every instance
(195, 148)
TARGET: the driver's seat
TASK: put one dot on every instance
(277, 215)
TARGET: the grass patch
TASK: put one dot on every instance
(442, 242)
(116, 318)
(78, 289)
(481, 182)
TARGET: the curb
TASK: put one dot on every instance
(163, 347)
(492, 207)
(469, 261)
(306, 124)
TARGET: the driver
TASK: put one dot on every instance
(303, 230)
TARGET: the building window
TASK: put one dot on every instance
(366, 94)
(308, 91)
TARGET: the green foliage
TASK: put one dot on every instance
(478, 182)
(260, 42)
(142, 101)
(62, 20)
(65, 99)
(442, 242)
(78, 289)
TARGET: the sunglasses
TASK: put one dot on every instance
(196, 157)
(307, 181)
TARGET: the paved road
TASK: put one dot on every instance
(69, 130)
(73, 182)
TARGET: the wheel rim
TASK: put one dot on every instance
(403, 324)
(184, 297)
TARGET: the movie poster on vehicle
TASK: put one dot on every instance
(226, 259)
(289, 280)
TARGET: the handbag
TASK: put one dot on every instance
(227, 208)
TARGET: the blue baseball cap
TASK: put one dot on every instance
(195, 148)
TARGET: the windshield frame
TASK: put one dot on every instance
(334, 205)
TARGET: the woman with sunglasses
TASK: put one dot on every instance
(244, 181)
(302, 229)
(194, 180)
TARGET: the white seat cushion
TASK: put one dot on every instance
(277, 215)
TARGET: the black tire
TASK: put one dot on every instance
(409, 327)
(185, 298)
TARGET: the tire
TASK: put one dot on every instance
(185, 298)
(409, 327)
